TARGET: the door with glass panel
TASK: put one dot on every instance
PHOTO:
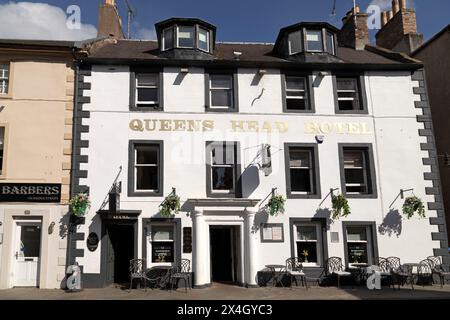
(27, 254)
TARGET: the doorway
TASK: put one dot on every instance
(223, 252)
(27, 252)
(120, 248)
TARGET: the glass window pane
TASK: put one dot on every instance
(330, 43)
(221, 81)
(186, 37)
(314, 40)
(357, 252)
(147, 95)
(162, 252)
(295, 83)
(356, 234)
(348, 105)
(306, 233)
(222, 178)
(162, 233)
(300, 180)
(354, 176)
(146, 155)
(353, 159)
(299, 158)
(203, 39)
(4, 71)
(146, 178)
(307, 251)
(296, 104)
(221, 98)
(147, 80)
(347, 84)
(168, 38)
(30, 241)
(295, 42)
(223, 154)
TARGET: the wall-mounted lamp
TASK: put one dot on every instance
(320, 139)
(51, 227)
(184, 70)
(323, 73)
(262, 72)
(237, 54)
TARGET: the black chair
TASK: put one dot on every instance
(294, 269)
(334, 266)
(380, 260)
(438, 269)
(386, 272)
(425, 272)
(138, 271)
(182, 272)
(400, 274)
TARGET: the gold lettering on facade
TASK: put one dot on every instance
(337, 127)
(179, 125)
(237, 125)
(165, 125)
(147, 125)
(267, 127)
(136, 125)
(208, 125)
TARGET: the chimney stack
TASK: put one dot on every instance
(354, 32)
(384, 18)
(109, 21)
(399, 33)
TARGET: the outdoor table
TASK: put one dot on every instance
(164, 278)
(413, 268)
(273, 268)
(361, 270)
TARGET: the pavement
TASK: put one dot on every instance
(229, 292)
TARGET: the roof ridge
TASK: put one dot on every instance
(389, 54)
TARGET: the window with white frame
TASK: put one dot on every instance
(314, 41)
(308, 243)
(223, 167)
(161, 243)
(4, 78)
(295, 42)
(203, 39)
(301, 170)
(167, 38)
(146, 168)
(359, 245)
(296, 93)
(355, 170)
(330, 42)
(348, 94)
(2, 146)
(186, 38)
(221, 91)
(147, 87)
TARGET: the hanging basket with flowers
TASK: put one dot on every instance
(170, 205)
(413, 205)
(79, 204)
(340, 207)
(276, 205)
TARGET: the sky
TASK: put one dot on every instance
(236, 20)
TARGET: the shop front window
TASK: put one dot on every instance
(162, 244)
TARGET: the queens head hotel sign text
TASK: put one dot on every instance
(355, 128)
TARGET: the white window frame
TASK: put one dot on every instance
(357, 96)
(193, 37)
(229, 89)
(318, 241)
(233, 166)
(156, 86)
(331, 35)
(305, 93)
(320, 40)
(298, 38)
(368, 242)
(150, 242)
(5, 75)
(200, 30)
(136, 165)
(164, 38)
(363, 168)
(310, 169)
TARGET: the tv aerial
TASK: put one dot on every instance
(131, 13)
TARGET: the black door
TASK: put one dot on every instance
(120, 252)
(221, 254)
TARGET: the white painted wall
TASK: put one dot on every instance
(393, 134)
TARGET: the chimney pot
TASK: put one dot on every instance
(384, 18)
(390, 14)
(395, 6)
(402, 4)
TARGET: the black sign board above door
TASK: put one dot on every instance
(30, 192)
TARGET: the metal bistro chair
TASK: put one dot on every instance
(334, 266)
(294, 269)
(137, 271)
(425, 272)
(400, 274)
(182, 271)
(386, 271)
(439, 269)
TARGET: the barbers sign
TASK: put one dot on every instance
(30, 192)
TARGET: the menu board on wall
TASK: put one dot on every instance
(162, 252)
(272, 232)
(187, 240)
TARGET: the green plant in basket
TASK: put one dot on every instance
(79, 204)
(413, 205)
(170, 205)
(276, 205)
(340, 207)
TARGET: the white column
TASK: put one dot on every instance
(251, 256)
(200, 263)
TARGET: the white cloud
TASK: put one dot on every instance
(386, 5)
(27, 20)
(146, 34)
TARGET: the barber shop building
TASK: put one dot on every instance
(225, 126)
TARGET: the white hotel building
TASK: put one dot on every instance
(226, 123)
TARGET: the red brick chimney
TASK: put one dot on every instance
(109, 22)
(354, 32)
(399, 29)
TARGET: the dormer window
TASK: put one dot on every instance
(295, 42)
(330, 43)
(203, 39)
(314, 41)
(186, 37)
(167, 39)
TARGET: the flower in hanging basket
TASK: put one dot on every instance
(276, 205)
(340, 207)
(413, 205)
(79, 204)
(170, 205)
